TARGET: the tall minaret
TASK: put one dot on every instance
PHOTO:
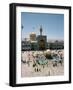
(41, 30)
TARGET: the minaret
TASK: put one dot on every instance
(41, 30)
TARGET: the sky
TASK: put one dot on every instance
(52, 24)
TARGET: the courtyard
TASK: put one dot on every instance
(35, 63)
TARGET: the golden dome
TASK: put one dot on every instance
(32, 33)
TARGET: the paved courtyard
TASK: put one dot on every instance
(30, 68)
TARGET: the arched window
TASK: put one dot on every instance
(42, 44)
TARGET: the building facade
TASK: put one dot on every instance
(42, 42)
(56, 45)
(39, 42)
(26, 45)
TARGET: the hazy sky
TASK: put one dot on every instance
(52, 24)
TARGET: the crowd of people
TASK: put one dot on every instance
(39, 62)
